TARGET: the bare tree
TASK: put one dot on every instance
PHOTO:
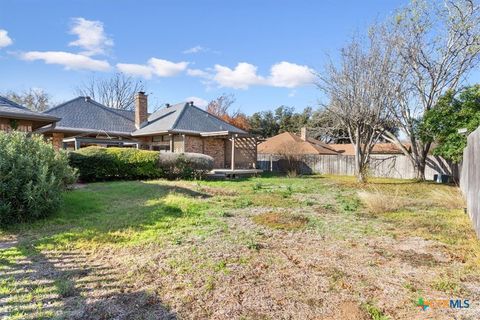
(326, 127)
(221, 106)
(436, 43)
(34, 99)
(359, 93)
(116, 92)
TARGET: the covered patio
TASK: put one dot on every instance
(75, 143)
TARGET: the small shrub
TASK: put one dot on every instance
(185, 165)
(32, 177)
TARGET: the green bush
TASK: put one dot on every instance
(32, 177)
(185, 165)
(99, 164)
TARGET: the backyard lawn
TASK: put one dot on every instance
(260, 248)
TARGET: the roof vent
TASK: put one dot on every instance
(167, 105)
(87, 99)
(191, 103)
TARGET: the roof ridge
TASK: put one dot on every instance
(109, 109)
(180, 114)
(95, 103)
(62, 104)
(158, 118)
(14, 104)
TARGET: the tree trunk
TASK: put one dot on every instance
(361, 177)
(359, 163)
(419, 168)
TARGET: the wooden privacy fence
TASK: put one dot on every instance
(470, 178)
(388, 166)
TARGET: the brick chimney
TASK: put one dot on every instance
(303, 133)
(141, 108)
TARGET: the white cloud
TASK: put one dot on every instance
(199, 102)
(137, 70)
(5, 40)
(290, 75)
(66, 59)
(243, 76)
(154, 66)
(195, 49)
(199, 49)
(165, 68)
(199, 73)
(91, 36)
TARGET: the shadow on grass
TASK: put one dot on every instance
(112, 211)
(43, 276)
(68, 285)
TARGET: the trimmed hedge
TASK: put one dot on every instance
(100, 164)
(185, 165)
(32, 177)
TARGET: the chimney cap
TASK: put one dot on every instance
(141, 93)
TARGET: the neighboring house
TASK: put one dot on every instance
(16, 117)
(177, 128)
(378, 149)
(288, 143)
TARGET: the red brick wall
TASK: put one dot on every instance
(57, 140)
(215, 147)
(22, 125)
(193, 144)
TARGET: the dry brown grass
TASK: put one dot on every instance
(450, 198)
(378, 202)
(281, 220)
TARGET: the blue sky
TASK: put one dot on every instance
(261, 51)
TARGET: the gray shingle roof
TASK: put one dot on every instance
(184, 118)
(11, 109)
(86, 115)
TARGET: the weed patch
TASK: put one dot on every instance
(281, 220)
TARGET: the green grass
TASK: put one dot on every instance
(161, 214)
(374, 312)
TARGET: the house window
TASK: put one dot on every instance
(160, 138)
(161, 148)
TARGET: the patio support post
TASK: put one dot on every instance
(233, 152)
(171, 142)
(77, 144)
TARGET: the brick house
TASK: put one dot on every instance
(179, 128)
(16, 117)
